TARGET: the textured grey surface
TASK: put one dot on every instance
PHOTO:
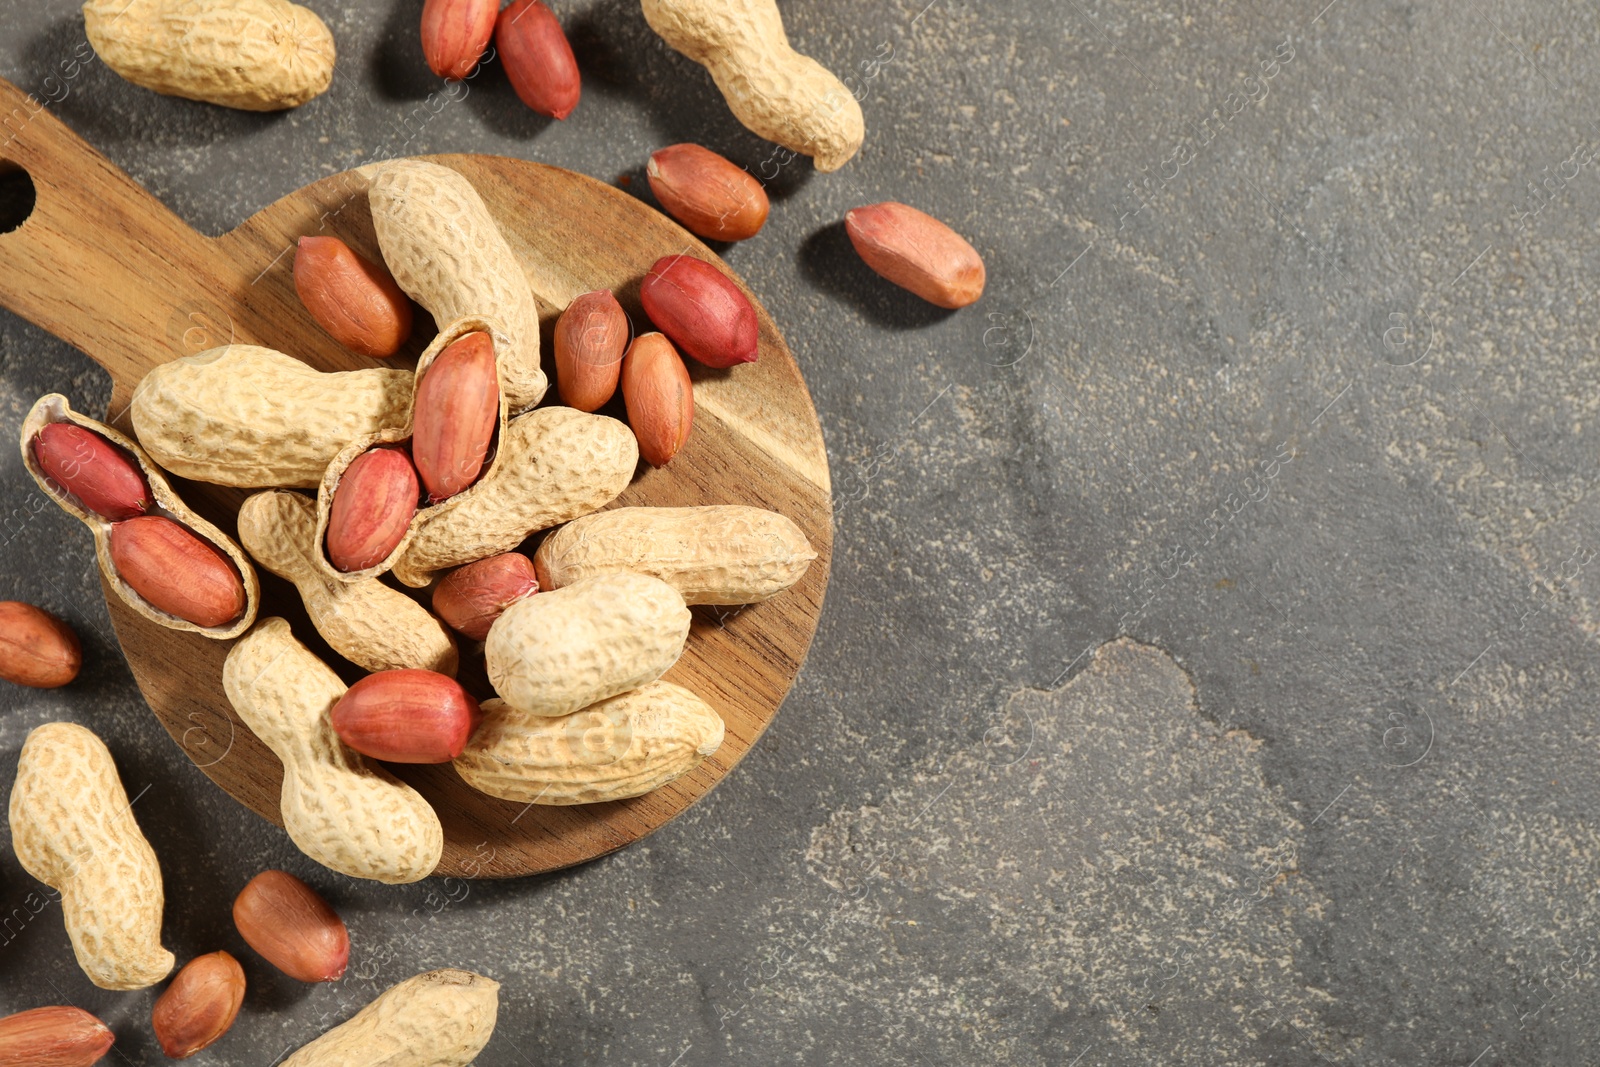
(1284, 376)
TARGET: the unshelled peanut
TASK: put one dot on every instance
(176, 572)
(406, 717)
(715, 554)
(366, 622)
(292, 927)
(590, 339)
(455, 33)
(444, 249)
(256, 55)
(72, 827)
(339, 809)
(57, 1036)
(775, 91)
(354, 299)
(39, 650)
(917, 252)
(440, 1018)
(199, 1006)
(711, 197)
(538, 59)
(454, 414)
(659, 397)
(704, 313)
(103, 477)
(556, 653)
(553, 465)
(621, 747)
(470, 598)
(372, 509)
(251, 417)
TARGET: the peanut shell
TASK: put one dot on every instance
(54, 408)
(346, 813)
(72, 827)
(553, 465)
(248, 416)
(437, 1019)
(624, 746)
(716, 554)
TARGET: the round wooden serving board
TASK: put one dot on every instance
(103, 265)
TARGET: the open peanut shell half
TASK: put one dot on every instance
(54, 408)
(398, 435)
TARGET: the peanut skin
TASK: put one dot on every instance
(351, 297)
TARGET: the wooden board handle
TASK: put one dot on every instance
(98, 261)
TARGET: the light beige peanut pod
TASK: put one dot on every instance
(72, 827)
(439, 1018)
(251, 417)
(717, 554)
(554, 465)
(256, 55)
(450, 334)
(443, 247)
(54, 408)
(557, 652)
(343, 811)
(368, 623)
(624, 746)
(775, 91)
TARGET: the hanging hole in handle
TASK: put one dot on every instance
(17, 196)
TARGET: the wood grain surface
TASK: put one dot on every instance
(105, 266)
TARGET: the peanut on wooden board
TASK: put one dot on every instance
(176, 572)
(105, 479)
(444, 249)
(406, 717)
(624, 746)
(439, 1018)
(166, 563)
(199, 1006)
(711, 197)
(700, 308)
(716, 554)
(917, 252)
(537, 58)
(454, 415)
(72, 827)
(57, 1036)
(256, 55)
(455, 33)
(458, 415)
(292, 927)
(553, 465)
(39, 650)
(371, 510)
(659, 396)
(366, 622)
(251, 417)
(559, 652)
(470, 598)
(775, 91)
(339, 809)
(590, 338)
(351, 297)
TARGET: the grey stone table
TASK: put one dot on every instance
(1207, 672)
